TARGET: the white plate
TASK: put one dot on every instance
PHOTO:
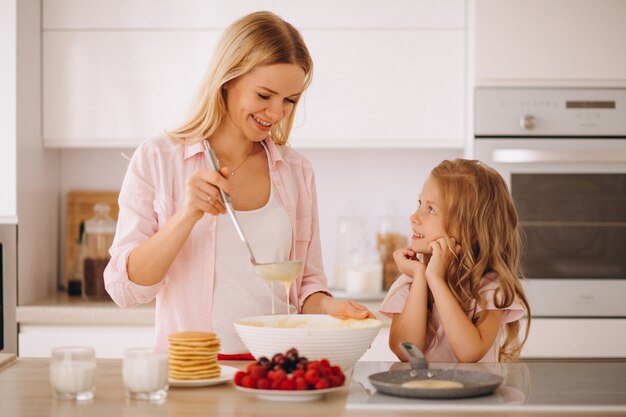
(227, 373)
(279, 395)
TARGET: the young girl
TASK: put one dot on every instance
(463, 303)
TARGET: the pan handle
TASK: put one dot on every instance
(416, 357)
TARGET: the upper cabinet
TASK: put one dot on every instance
(553, 42)
(387, 74)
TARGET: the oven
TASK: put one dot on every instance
(562, 152)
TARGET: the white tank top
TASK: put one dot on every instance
(238, 291)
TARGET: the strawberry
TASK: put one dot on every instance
(276, 384)
(238, 376)
(248, 382)
(314, 366)
(301, 384)
(311, 377)
(298, 373)
(280, 375)
(257, 371)
(321, 384)
(263, 383)
(287, 385)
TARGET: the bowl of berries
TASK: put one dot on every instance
(316, 336)
(290, 377)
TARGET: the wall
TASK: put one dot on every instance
(368, 177)
(8, 12)
(37, 168)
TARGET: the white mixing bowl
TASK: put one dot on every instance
(316, 336)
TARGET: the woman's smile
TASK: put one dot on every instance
(262, 124)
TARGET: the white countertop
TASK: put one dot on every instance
(59, 308)
(550, 389)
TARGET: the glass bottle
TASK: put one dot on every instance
(390, 237)
(75, 280)
(350, 230)
(365, 270)
(98, 238)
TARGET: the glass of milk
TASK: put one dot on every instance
(145, 374)
(73, 372)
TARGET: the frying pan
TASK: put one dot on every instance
(475, 383)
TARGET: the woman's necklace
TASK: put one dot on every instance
(232, 172)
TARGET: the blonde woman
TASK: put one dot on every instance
(172, 240)
(460, 298)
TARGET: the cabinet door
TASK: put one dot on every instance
(390, 75)
(117, 88)
(538, 41)
(384, 88)
(576, 338)
(108, 341)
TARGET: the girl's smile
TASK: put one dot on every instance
(426, 222)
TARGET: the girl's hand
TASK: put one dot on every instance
(441, 258)
(408, 263)
(203, 195)
(346, 309)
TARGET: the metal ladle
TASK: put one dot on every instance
(275, 271)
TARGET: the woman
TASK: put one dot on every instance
(172, 241)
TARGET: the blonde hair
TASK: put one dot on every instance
(477, 205)
(257, 39)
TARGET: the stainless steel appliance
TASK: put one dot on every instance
(563, 153)
(8, 288)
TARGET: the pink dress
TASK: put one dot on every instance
(441, 352)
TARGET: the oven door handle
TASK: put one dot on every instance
(524, 156)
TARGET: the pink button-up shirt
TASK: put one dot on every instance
(154, 189)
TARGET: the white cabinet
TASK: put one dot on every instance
(576, 338)
(552, 42)
(379, 350)
(109, 341)
(386, 74)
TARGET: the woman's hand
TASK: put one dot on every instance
(203, 194)
(346, 309)
(442, 256)
(407, 263)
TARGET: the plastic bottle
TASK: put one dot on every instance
(99, 232)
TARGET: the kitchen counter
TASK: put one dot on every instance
(59, 308)
(25, 392)
(60, 320)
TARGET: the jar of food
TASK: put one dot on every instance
(75, 280)
(98, 238)
(389, 238)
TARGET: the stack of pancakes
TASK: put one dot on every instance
(193, 356)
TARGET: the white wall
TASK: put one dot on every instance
(8, 13)
(37, 168)
(368, 177)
